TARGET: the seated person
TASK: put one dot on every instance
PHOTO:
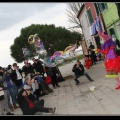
(27, 104)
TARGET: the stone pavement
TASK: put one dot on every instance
(71, 99)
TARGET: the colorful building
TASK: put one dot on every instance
(112, 20)
(89, 13)
(86, 23)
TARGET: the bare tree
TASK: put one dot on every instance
(72, 12)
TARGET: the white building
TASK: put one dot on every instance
(86, 27)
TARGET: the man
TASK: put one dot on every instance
(26, 67)
(16, 76)
(91, 46)
(27, 104)
(79, 70)
(3, 84)
(38, 66)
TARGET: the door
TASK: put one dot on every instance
(97, 40)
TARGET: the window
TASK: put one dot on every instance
(90, 16)
(82, 24)
(111, 31)
(87, 19)
(100, 7)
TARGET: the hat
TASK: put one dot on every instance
(106, 37)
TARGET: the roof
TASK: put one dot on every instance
(80, 10)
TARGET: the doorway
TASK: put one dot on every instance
(97, 40)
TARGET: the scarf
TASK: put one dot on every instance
(31, 104)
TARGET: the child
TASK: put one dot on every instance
(87, 62)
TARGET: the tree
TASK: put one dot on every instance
(54, 39)
(72, 12)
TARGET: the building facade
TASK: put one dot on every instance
(112, 20)
(83, 17)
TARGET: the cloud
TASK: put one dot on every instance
(39, 13)
(11, 13)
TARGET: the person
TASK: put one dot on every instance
(38, 66)
(91, 46)
(27, 104)
(87, 62)
(52, 72)
(111, 62)
(4, 102)
(25, 68)
(16, 76)
(79, 70)
(117, 48)
(92, 56)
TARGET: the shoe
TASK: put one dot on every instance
(52, 110)
(58, 85)
(16, 107)
(91, 80)
(11, 108)
(77, 83)
(9, 113)
(118, 87)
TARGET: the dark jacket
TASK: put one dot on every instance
(13, 75)
(77, 71)
(25, 69)
(91, 47)
(51, 71)
(23, 103)
(38, 67)
(3, 82)
(117, 50)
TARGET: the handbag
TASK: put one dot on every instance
(48, 80)
(2, 95)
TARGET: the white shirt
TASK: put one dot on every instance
(18, 75)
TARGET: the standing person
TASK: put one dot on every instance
(111, 62)
(4, 102)
(91, 46)
(16, 76)
(51, 71)
(27, 105)
(117, 48)
(38, 66)
(25, 68)
(79, 71)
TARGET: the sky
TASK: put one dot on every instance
(15, 16)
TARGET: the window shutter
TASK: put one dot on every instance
(96, 8)
(90, 16)
(100, 6)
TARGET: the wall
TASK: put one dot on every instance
(88, 37)
(91, 5)
(110, 16)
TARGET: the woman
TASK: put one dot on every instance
(52, 72)
(4, 102)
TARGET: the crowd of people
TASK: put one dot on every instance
(23, 87)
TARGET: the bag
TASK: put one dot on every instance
(48, 80)
(2, 95)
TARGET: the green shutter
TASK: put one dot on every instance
(100, 6)
(90, 16)
(96, 8)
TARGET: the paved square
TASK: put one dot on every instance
(70, 99)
